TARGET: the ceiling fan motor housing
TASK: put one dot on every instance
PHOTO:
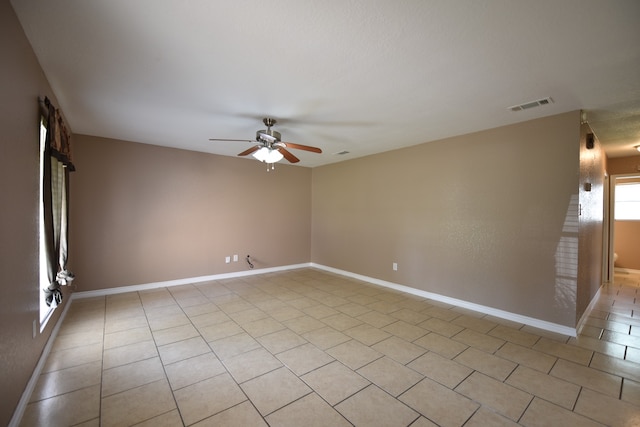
(268, 136)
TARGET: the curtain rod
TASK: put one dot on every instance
(44, 101)
(44, 106)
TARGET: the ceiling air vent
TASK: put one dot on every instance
(341, 153)
(531, 104)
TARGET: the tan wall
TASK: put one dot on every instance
(590, 248)
(143, 213)
(21, 83)
(481, 217)
(477, 217)
(627, 244)
(623, 165)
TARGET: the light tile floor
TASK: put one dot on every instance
(306, 347)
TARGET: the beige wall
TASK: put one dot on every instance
(627, 244)
(479, 217)
(623, 165)
(142, 213)
(489, 217)
(21, 83)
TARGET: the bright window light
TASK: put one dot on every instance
(627, 207)
(45, 310)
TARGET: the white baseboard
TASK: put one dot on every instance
(537, 323)
(588, 310)
(531, 321)
(541, 324)
(31, 385)
(168, 283)
(626, 270)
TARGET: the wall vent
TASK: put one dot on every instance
(531, 104)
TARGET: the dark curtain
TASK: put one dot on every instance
(57, 165)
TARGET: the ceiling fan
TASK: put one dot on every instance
(269, 147)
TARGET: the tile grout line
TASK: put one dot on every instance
(393, 301)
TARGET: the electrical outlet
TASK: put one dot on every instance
(395, 266)
(235, 258)
(227, 259)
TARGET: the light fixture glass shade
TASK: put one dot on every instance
(274, 156)
(261, 154)
(268, 155)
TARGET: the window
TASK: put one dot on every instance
(627, 204)
(55, 165)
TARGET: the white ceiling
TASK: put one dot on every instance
(364, 76)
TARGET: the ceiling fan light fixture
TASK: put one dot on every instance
(268, 155)
(269, 147)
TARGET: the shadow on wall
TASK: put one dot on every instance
(567, 259)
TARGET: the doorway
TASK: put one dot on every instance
(622, 216)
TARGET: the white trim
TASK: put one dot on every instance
(540, 324)
(31, 385)
(607, 257)
(44, 320)
(168, 283)
(611, 210)
(626, 270)
(588, 310)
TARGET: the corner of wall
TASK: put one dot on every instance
(591, 219)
